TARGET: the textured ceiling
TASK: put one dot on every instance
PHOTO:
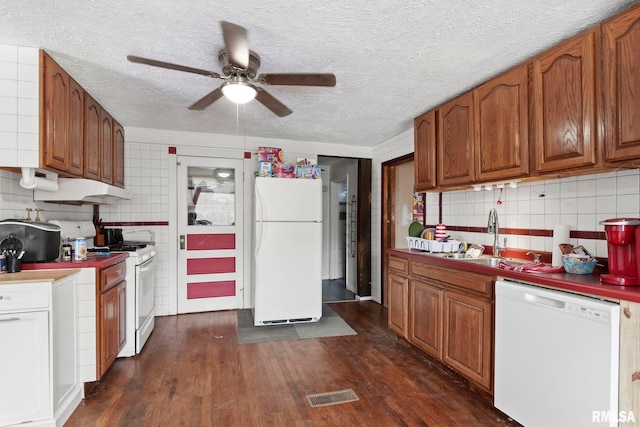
(392, 59)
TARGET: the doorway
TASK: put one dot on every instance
(397, 196)
(210, 230)
(346, 236)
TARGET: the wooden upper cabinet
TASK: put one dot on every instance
(118, 155)
(55, 115)
(76, 128)
(564, 104)
(424, 135)
(92, 144)
(455, 141)
(621, 85)
(501, 126)
(106, 157)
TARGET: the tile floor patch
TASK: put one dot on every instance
(331, 398)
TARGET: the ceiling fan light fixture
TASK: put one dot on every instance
(238, 91)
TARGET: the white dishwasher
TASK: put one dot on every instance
(556, 357)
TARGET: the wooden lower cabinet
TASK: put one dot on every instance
(446, 313)
(398, 291)
(425, 308)
(111, 317)
(468, 336)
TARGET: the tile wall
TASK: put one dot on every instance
(146, 176)
(580, 202)
(19, 100)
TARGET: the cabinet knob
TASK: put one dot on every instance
(1, 297)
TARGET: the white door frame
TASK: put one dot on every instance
(334, 246)
(173, 238)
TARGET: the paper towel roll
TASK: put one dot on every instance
(561, 234)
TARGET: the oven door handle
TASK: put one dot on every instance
(147, 265)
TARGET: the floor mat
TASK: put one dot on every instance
(329, 325)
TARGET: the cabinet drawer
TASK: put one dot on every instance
(457, 279)
(399, 265)
(24, 296)
(113, 275)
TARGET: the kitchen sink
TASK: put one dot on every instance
(493, 261)
(489, 260)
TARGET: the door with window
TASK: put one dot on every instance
(210, 212)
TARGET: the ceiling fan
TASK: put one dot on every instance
(239, 72)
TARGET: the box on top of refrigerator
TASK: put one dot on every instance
(269, 154)
(308, 172)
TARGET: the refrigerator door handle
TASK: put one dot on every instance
(258, 238)
(259, 205)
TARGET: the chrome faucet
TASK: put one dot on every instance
(493, 226)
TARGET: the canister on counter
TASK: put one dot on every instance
(80, 249)
(3, 263)
(66, 251)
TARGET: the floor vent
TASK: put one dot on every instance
(331, 398)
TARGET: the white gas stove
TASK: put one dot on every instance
(140, 278)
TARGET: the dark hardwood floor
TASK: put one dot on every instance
(193, 372)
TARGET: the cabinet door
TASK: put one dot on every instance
(109, 328)
(424, 135)
(24, 370)
(75, 129)
(629, 386)
(122, 315)
(398, 304)
(118, 155)
(55, 116)
(91, 146)
(106, 138)
(468, 337)
(621, 77)
(456, 141)
(501, 126)
(425, 322)
(564, 104)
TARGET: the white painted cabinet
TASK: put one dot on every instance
(38, 352)
(24, 366)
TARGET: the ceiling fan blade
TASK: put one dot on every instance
(171, 66)
(207, 100)
(235, 41)
(269, 101)
(298, 79)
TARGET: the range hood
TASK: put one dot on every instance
(75, 191)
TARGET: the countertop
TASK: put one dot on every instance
(587, 284)
(35, 276)
(92, 261)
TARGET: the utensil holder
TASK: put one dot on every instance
(14, 265)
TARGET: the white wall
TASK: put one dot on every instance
(19, 103)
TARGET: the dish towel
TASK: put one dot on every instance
(531, 267)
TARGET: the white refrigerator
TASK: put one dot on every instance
(288, 251)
